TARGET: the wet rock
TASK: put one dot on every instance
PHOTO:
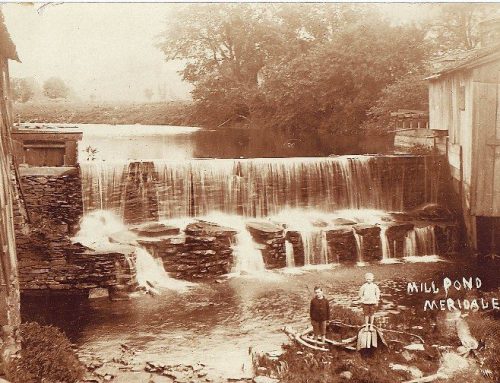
(432, 212)
(264, 379)
(270, 238)
(342, 244)
(208, 229)
(347, 375)
(155, 229)
(343, 221)
(415, 347)
(414, 372)
(371, 249)
(98, 293)
(396, 236)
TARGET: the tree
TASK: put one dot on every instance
(226, 46)
(332, 87)
(54, 87)
(295, 67)
(408, 92)
(457, 26)
(148, 93)
(23, 89)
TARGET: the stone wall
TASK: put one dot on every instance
(271, 239)
(53, 197)
(48, 213)
(202, 251)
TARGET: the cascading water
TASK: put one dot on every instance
(96, 232)
(359, 248)
(257, 187)
(290, 255)
(247, 256)
(421, 241)
(151, 274)
(351, 187)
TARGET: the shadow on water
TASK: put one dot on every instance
(67, 312)
(250, 143)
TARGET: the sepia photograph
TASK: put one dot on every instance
(243, 192)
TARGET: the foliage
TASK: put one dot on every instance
(332, 87)
(23, 89)
(456, 27)
(46, 356)
(408, 92)
(298, 67)
(54, 88)
(311, 68)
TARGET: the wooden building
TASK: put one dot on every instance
(464, 102)
(9, 284)
(46, 145)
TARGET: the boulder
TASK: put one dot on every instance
(342, 244)
(155, 229)
(343, 222)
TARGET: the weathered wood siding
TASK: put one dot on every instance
(486, 140)
(9, 283)
(466, 104)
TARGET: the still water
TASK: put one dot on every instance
(147, 142)
(217, 323)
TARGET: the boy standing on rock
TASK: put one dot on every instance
(320, 313)
(369, 294)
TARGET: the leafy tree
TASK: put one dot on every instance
(332, 87)
(54, 87)
(457, 25)
(408, 92)
(23, 89)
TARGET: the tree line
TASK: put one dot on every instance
(27, 88)
(302, 68)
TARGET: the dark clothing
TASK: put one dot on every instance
(319, 328)
(320, 309)
(369, 309)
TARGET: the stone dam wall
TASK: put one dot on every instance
(52, 202)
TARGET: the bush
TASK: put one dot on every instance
(46, 355)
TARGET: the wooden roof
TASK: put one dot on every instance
(7, 47)
(464, 60)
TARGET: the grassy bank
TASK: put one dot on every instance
(299, 364)
(167, 113)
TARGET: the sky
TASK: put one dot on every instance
(107, 49)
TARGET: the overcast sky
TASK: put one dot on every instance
(106, 49)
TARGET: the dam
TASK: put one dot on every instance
(201, 218)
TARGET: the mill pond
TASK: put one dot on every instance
(228, 249)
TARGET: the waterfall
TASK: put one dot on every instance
(290, 256)
(96, 230)
(384, 242)
(325, 250)
(151, 274)
(421, 241)
(246, 253)
(359, 247)
(257, 187)
(426, 240)
(248, 258)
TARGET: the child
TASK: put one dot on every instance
(369, 294)
(320, 313)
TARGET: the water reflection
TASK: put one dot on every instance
(141, 142)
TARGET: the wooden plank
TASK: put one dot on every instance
(454, 156)
(496, 183)
(484, 126)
